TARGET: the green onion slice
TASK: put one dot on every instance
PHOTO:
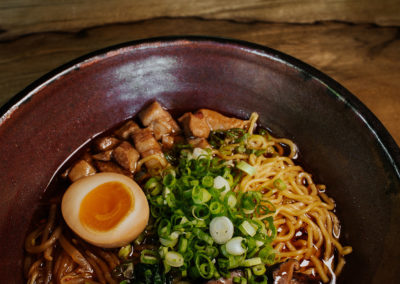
(174, 259)
(242, 165)
(235, 246)
(221, 229)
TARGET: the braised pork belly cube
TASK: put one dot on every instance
(81, 169)
(126, 130)
(194, 125)
(105, 143)
(167, 141)
(147, 145)
(217, 121)
(158, 120)
(203, 121)
(103, 156)
(111, 167)
(126, 156)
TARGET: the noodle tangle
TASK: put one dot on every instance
(307, 228)
(56, 258)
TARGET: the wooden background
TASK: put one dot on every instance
(355, 42)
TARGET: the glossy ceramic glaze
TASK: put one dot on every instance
(340, 141)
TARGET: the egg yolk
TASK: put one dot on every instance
(106, 206)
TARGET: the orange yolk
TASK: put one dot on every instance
(106, 206)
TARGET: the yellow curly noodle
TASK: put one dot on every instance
(307, 228)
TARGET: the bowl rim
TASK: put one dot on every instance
(376, 128)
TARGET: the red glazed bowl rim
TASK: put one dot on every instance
(382, 136)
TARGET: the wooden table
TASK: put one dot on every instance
(355, 42)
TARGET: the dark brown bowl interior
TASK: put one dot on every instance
(340, 141)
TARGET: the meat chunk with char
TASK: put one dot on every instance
(126, 130)
(158, 120)
(147, 145)
(285, 273)
(194, 125)
(103, 156)
(217, 121)
(81, 169)
(105, 143)
(203, 121)
(126, 156)
(111, 167)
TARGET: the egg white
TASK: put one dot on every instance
(128, 229)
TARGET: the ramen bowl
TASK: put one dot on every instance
(341, 142)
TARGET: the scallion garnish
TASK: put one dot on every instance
(280, 184)
(242, 165)
(204, 227)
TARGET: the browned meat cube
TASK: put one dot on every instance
(126, 156)
(105, 143)
(147, 145)
(125, 131)
(199, 143)
(286, 272)
(103, 156)
(194, 125)
(81, 169)
(159, 120)
(161, 128)
(111, 167)
(217, 121)
(167, 141)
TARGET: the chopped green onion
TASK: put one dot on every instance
(183, 244)
(259, 269)
(148, 257)
(216, 208)
(247, 229)
(259, 152)
(199, 220)
(252, 262)
(174, 259)
(280, 184)
(242, 165)
(204, 266)
(139, 239)
(221, 184)
(153, 186)
(267, 255)
(200, 212)
(221, 229)
(203, 236)
(230, 199)
(162, 251)
(125, 251)
(171, 240)
(235, 246)
(200, 195)
(207, 181)
(169, 180)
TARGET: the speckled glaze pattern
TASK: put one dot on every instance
(341, 142)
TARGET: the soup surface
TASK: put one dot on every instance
(204, 198)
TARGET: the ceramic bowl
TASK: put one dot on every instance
(341, 142)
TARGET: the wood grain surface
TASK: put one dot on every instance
(18, 17)
(363, 54)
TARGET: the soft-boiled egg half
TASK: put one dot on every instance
(106, 209)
